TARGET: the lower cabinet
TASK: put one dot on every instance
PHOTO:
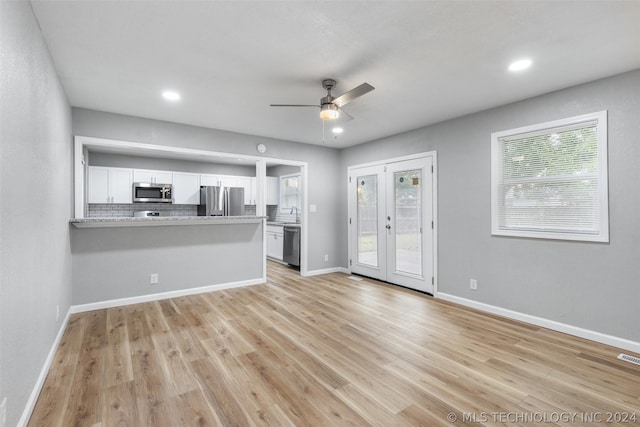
(275, 242)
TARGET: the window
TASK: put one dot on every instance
(550, 180)
(289, 192)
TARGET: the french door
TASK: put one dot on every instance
(391, 220)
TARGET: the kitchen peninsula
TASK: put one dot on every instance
(102, 222)
(120, 258)
(118, 261)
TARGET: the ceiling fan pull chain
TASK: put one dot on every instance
(323, 140)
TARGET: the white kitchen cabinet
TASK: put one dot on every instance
(209, 180)
(273, 190)
(253, 189)
(275, 241)
(152, 176)
(186, 188)
(228, 180)
(249, 185)
(109, 185)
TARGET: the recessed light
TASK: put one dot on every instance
(337, 130)
(519, 65)
(170, 95)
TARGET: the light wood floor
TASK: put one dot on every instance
(326, 351)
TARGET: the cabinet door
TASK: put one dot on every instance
(163, 177)
(274, 245)
(154, 176)
(209, 180)
(249, 190)
(120, 181)
(270, 248)
(142, 175)
(186, 188)
(252, 189)
(275, 241)
(98, 185)
(279, 246)
(273, 190)
(228, 180)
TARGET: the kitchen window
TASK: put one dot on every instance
(289, 192)
(550, 180)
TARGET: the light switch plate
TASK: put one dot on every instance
(313, 208)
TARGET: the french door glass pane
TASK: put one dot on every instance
(408, 220)
(368, 220)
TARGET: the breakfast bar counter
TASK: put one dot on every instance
(126, 260)
(104, 222)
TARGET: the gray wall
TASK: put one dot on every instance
(139, 162)
(323, 164)
(114, 263)
(35, 256)
(280, 170)
(588, 285)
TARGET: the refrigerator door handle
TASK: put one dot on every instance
(226, 201)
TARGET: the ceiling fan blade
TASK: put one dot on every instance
(354, 93)
(346, 115)
(294, 105)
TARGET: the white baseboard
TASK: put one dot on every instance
(33, 398)
(545, 323)
(163, 295)
(326, 271)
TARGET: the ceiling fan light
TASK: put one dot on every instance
(329, 112)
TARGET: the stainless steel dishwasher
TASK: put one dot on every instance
(291, 249)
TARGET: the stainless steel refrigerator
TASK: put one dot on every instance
(221, 201)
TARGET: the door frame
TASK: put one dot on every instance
(350, 202)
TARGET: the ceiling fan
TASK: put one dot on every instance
(330, 106)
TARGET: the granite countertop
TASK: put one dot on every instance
(163, 221)
(284, 224)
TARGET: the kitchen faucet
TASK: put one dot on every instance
(296, 210)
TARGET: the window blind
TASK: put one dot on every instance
(549, 180)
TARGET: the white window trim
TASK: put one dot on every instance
(496, 176)
(285, 209)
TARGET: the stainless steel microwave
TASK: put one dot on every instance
(147, 192)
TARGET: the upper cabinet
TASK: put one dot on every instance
(186, 188)
(114, 185)
(109, 185)
(249, 185)
(209, 180)
(152, 176)
(228, 181)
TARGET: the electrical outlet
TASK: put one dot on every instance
(326, 257)
(153, 279)
(57, 312)
(473, 284)
(3, 412)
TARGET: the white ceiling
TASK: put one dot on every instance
(428, 60)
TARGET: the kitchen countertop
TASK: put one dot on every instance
(163, 221)
(284, 224)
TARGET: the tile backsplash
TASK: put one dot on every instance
(111, 210)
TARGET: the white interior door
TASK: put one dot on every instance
(391, 214)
